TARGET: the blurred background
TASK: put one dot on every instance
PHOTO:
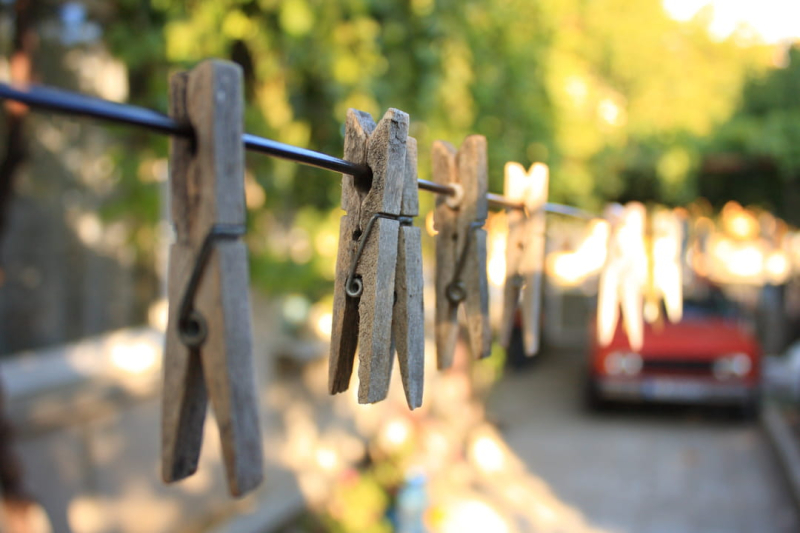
(691, 107)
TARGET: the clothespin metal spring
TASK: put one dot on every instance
(354, 287)
(192, 327)
(456, 292)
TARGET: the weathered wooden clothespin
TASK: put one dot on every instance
(524, 252)
(209, 345)
(624, 275)
(461, 247)
(378, 290)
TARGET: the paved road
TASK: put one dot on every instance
(641, 471)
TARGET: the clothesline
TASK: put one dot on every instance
(69, 103)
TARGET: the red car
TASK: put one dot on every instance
(710, 357)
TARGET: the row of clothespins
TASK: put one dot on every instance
(378, 292)
(642, 269)
(378, 306)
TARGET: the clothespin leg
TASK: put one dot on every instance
(446, 326)
(632, 301)
(344, 330)
(673, 293)
(532, 264)
(531, 312)
(375, 310)
(184, 396)
(409, 321)
(231, 379)
(410, 338)
(476, 303)
(607, 305)
(513, 281)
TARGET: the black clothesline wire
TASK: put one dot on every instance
(69, 103)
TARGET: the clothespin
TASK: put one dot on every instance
(208, 343)
(461, 247)
(524, 252)
(378, 291)
(624, 275)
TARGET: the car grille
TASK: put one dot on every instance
(677, 366)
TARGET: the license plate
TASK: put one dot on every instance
(668, 389)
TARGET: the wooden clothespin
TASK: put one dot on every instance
(378, 291)
(624, 275)
(208, 345)
(461, 247)
(524, 252)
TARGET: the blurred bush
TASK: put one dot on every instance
(614, 95)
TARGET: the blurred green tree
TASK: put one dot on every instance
(754, 157)
(613, 95)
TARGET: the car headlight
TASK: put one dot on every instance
(732, 365)
(626, 363)
(741, 364)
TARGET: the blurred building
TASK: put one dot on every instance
(69, 264)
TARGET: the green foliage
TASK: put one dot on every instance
(761, 144)
(612, 94)
(359, 506)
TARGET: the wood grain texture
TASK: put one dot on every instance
(383, 148)
(445, 219)
(184, 398)
(207, 181)
(344, 328)
(408, 321)
(524, 252)
(468, 168)
(377, 270)
(410, 204)
(386, 157)
(473, 175)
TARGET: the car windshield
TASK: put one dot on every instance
(715, 305)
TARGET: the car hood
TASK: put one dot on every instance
(693, 338)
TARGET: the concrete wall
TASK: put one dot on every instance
(69, 266)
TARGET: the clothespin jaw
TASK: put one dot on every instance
(624, 275)
(608, 284)
(524, 252)
(409, 318)
(208, 343)
(667, 268)
(461, 247)
(367, 259)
